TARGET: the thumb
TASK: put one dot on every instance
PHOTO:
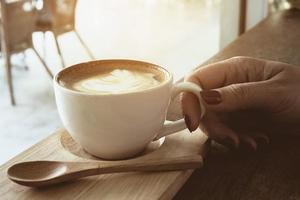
(240, 96)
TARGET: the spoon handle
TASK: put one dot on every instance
(188, 162)
(79, 170)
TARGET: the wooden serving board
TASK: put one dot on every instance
(143, 185)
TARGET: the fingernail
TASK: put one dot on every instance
(188, 122)
(211, 96)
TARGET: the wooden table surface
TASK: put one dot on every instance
(274, 171)
(59, 146)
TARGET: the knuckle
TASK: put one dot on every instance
(239, 58)
(239, 94)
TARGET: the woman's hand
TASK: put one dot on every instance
(247, 99)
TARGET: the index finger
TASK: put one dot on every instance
(230, 71)
(220, 74)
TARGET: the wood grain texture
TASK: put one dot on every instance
(137, 185)
(273, 172)
(43, 173)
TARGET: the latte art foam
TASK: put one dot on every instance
(117, 81)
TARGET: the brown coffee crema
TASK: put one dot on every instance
(112, 78)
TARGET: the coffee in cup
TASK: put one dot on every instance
(112, 80)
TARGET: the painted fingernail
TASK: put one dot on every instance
(188, 122)
(211, 96)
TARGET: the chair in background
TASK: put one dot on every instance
(17, 25)
(58, 16)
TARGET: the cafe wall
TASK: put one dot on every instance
(177, 34)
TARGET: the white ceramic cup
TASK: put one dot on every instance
(118, 126)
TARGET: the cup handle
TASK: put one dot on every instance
(171, 127)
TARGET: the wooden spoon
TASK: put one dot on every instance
(43, 173)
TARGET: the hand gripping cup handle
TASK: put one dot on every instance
(171, 127)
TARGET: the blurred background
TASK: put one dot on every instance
(40, 37)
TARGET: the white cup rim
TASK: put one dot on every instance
(65, 89)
